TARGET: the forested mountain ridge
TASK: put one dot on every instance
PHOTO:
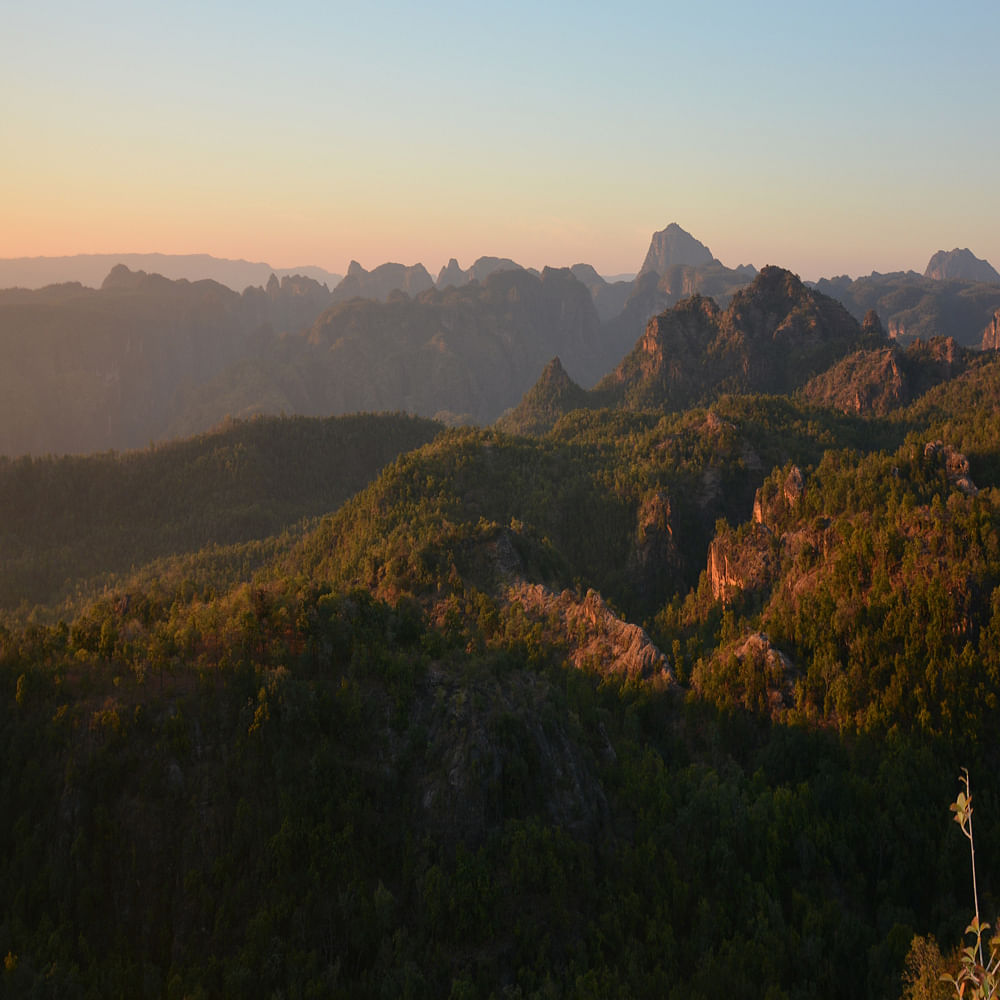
(70, 520)
(913, 306)
(775, 334)
(147, 359)
(431, 748)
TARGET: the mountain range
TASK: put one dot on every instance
(91, 270)
(663, 681)
(146, 358)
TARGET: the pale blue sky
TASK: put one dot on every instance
(827, 138)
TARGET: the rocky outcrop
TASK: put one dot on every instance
(865, 383)
(655, 563)
(956, 465)
(960, 265)
(877, 382)
(764, 678)
(741, 561)
(747, 559)
(772, 505)
(991, 335)
(597, 639)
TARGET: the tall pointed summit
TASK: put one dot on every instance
(673, 246)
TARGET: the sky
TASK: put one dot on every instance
(833, 138)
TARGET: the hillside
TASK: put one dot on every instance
(70, 521)
(654, 701)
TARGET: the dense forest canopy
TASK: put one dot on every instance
(657, 700)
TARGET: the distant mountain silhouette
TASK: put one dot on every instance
(671, 247)
(382, 282)
(461, 354)
(85, 369)
(452, 273)
(609, 296)
(676, 266)
(960, 265)
(91, 269)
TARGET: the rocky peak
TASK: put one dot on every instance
(451, 274)
(378, 284)
(773, 689)
(587, 274)
(554, 375)
(871, 325)
(673, 246)
(961, 265)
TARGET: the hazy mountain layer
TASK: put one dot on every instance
(913, 307)
(90, 369)
(91, 269)
(464, 353)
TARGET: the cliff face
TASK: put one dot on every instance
(740, 562)
(748, 559)
(655, 560)
(991, 335)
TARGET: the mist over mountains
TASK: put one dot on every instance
(146, 357)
